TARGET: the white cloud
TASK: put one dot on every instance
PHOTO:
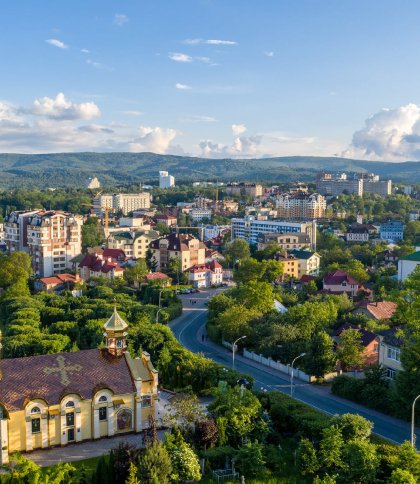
(57, 43)
(62, 109)
(183, 87)
(98, 65)
(120, 19)
(269, 53)
(156, 140)
(241, 147)
(179, 57)
(206, 60)
(133, 113)
(238, 129)
(209, 41)
(85, 51)
(390, 134)
(199, 119)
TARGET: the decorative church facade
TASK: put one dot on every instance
(58, 399)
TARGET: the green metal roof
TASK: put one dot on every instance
(415, 256)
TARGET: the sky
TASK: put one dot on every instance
(213, 78)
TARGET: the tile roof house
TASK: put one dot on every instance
(378, 310)
(390, 351)
(206, 275)
(369, 340)
(158, 277)
(96, 265)
(338, 282)
(57, 399)
(58, 283)
(184, 247)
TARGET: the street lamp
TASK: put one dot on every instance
(233, 351)
(412, 419)
(291, 376)
(157, 314)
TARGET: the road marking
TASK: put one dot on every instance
(185, 327)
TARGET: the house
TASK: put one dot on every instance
(165, 219)
(290, 265)
(134, 244)
(308, 262)
(158, 278)
(392, 230)
(338, 282)
(206, 275)
(288, 240)
(116, 255)
(370, 342)
(58, 399)
(378, 310)
(357, 235)
(390, 352)
(184, 247)
(213, 255)
(96, 265)
(57, 284)
(390, 256)
(407, 264)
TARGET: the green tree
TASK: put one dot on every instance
(184, 410)
(331, 447)
(154, 464)
(320, 356)
(360, 461)
(132, 475)
(355, 427)
(185, 464)
(249, 270)
(250, 459)
(237, 250)
(92, 232)
(350, 348)
(135, 274)
(163, 229)
(400, 476)
(307, 459)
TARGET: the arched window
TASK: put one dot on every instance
(36, 410)
(70, 404)
(103, 399)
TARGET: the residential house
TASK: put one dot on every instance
(392, 230)
(370, 342)
(96, 265)
(338, 282)
(390, 352)
(288, 240)
(165, 219)
(135, 244)
(378, 310)
(158, 278)
(308, 262)
(184, 247)
(206, 275)
(57, 283)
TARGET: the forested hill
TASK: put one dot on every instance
(74, 169)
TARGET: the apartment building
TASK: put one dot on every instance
(54, 238)
(300, 205)
(250, 229)
(166, 180)
(407, 264)
(288, 240)
(198, 214)
(358, 184)
(229, 206)
(135, 244)
(392, 230)
(252, 189)
(390, 352)
(16, 229)
(123, 202)
(184, 247)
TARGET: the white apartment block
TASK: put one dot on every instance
(124, 202)
(166, 180)
(407, 264)
(135, 244)
(15, 230)
(198, 214)
(250, 229)
(213, 231)
(301, 205)
(334, 185)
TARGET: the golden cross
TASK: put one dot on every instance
(63, 369)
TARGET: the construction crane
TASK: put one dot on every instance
(106, 221)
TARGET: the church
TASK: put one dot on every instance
(58, 399)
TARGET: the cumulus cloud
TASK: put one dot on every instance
(57, 43)
(269, 53)
(209, 42)
(238, 129)
(241, 147)
(120, 19)
(156, 140)
(390, 134)
(85, 51)
(181, 86)
(61, 108)
(133, 113)
(179, 57)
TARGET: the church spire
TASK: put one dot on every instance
(115, 334)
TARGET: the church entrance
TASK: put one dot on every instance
(70, 435)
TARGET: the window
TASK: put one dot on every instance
(103, 399)
(70, 419)
(103, 413)
(376, 348)
(146, 401)
(70, 404)
(391, 374)
(2, 412)
(394, 354)
(36, 425)
(36, 410)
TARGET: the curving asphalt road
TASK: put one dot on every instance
(189, 330)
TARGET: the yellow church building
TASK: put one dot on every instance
(54, 400)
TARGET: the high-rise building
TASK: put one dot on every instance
(301, 205)
(358, 184)
(250, 229)
(253, 189)
(166, 180)
(15, 230)
(184, 247)
(124, 202)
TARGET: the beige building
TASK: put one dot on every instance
(16, 230)
(59, 399)
(298, 263)
(124, 202)
(287, 241)
(184, 247)
(252, 189)
(301, 205)
(390, 352)
(134, 243)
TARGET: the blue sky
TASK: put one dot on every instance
(238, 78)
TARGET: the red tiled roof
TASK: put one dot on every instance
(155, 276)
(24, 379)
(367, 336)
(98, 264)
(307, 278)
(379, 309)
(337, 277)
(117, 254)
(58, 279)
(165, 216)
